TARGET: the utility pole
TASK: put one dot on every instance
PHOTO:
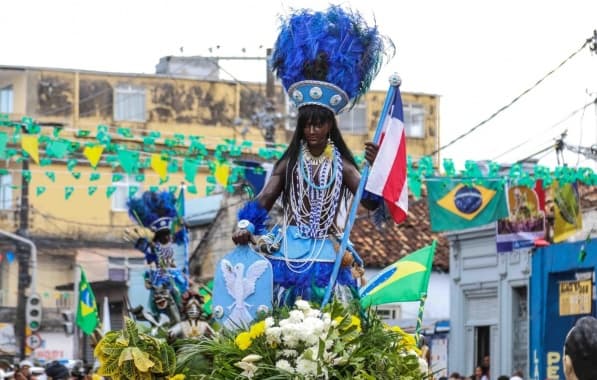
(23, 255)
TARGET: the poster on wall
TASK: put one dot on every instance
(8, 342)
(576, 297)
(526, 222)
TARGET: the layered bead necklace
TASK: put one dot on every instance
(315, 191)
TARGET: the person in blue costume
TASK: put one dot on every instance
(165, 281)
(325, 60)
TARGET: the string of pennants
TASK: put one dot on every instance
(189, 153)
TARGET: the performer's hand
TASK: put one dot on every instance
(242, 237)
(371, 150)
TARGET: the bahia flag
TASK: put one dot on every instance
(456, 206)
(87, 317)
(404, 281)
(387, 177)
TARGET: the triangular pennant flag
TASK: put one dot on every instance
(189, 167)
(133, 191)
(27, 175)
(192, 189)
(221, 173)
(93, 154)
(3, 141)
(57, 148)
(91, 190)
(159, 165)
(40, 190)
(30, 144)
(51, 176)
(68, 191)
(110, 190)
(128, 160)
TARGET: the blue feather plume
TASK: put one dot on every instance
(151, 206)
(257, 215)
(335, 46)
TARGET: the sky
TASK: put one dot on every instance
(476, 55)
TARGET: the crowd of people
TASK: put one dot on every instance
(54, 370)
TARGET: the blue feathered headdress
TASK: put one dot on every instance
(154, 210)
(328, 58)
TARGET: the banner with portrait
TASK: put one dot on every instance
(526, 222)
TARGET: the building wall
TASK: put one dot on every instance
(484, 291)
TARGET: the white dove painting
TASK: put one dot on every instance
(242, 287)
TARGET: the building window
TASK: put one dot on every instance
(129, 103)
(414, 120)
(6, 192)
(389, 312)
(6, 100)
(121, 195)
(354, 121)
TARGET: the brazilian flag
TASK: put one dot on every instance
(87, 318)
(406, 280)
(454, 205)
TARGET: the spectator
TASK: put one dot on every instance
(517, 375)
(580, 350)
(57, 371)
(455, 376)
(503, 377)
(24, 372)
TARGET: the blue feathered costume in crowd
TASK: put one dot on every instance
(326, 59)
(157, 211)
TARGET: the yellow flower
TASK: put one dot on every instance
(180, 376)
(257, 330)
(95, 376)
(243, 340)
(355, 321)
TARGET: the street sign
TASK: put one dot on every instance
(33, 341)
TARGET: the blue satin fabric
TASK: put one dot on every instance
(318, 255)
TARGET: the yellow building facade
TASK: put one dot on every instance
(131, 107)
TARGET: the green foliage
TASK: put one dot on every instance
(131, 354)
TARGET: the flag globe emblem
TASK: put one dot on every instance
(467, 201)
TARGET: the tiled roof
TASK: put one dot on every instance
(382, 247)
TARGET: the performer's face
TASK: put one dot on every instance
(316, 135)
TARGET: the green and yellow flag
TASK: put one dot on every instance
(404, 281)
(567, 212)
(87, 317)
(456, 206)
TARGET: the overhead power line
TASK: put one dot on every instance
(500, 110)
(569, 116)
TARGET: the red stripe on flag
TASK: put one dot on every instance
(396, 182)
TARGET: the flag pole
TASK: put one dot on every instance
(420, 317)
(183, 211)
(394, 83)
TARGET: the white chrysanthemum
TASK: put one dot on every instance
(315, 313)
(290, 337)
(302, 305)
(289, 353)
(423, 366)
(296, 316)
(306, 367)
(284, 322)
(284, 365)
(272, 335)
(269, 322)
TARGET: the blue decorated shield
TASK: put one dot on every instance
(243, 287)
